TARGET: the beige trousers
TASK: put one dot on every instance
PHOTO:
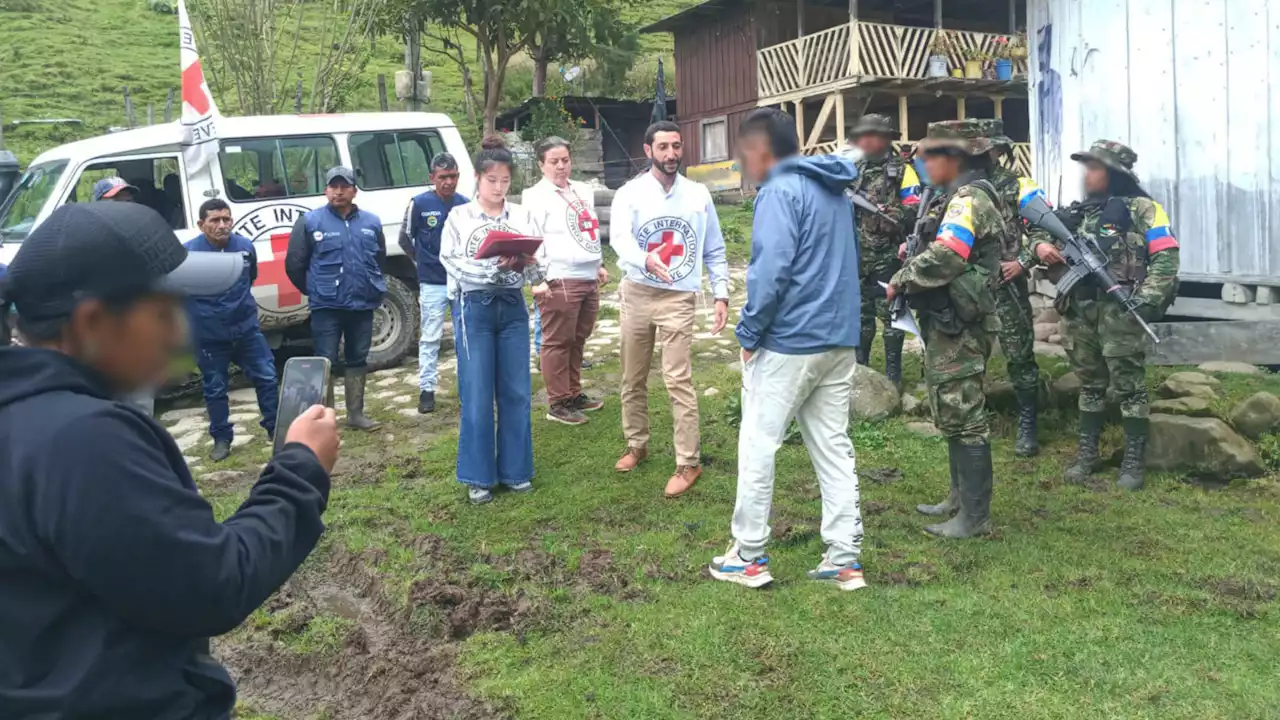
(667, 316)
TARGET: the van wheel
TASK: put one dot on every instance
(395, 326)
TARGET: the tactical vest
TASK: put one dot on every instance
(880, 183)
(1005, 182)
(1111, 224)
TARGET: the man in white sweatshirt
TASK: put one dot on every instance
(664, 229)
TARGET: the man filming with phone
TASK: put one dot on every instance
(115, 572)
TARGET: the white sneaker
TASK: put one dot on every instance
(730, 567)
(845, 577)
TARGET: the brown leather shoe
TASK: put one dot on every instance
(683, 480)
(630, 459)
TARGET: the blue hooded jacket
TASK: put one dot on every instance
(803, 295)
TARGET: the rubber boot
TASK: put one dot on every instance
(1135, 454)
(974, 466)
(1087, 459)
(1027, 445)
(893, 358)
(865, 341)
(354, 382)
(952, 503)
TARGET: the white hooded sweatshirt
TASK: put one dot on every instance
(570, 247)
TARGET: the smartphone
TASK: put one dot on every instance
(305, 382)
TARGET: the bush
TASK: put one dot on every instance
(167, 7)
(548, 118)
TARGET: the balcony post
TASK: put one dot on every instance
(800, 50)
(800, 123)
(937, 14)
(903, 128)
(840, 118)
(1013, 17)
(999, 104)
(960, 109)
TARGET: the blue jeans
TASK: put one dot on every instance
(491, 334)
(537, 330)
(254, 357)
(330, 327)
(432, 301)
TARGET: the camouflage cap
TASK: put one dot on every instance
(994, 128)
(874, 123)
(969, 136)
(1114, 155)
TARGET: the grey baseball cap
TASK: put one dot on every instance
(340, 173)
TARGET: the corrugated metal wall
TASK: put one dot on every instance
(1194, 87)
(715, 75)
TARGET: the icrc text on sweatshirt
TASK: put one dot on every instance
(646, 216)
(803, 294)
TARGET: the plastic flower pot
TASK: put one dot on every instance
(1004, 69)
(938, 66)
(973, 69)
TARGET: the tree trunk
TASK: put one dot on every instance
(469, 94)
(540, 62)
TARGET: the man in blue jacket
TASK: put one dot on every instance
(335, 255)
(798, 347)
(420, 240)
(224, 329)
(114, 571)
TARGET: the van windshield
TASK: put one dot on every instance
(19, 212)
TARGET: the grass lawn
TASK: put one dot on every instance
(588, 598)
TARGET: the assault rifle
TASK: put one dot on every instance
(862, 203)
(914, 245)
(1084, 259)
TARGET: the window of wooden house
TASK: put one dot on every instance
(715, 140)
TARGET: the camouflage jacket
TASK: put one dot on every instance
(971, 229)
(1021, 236)
(1144, 255)
(892, 184)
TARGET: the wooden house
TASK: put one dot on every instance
(826, 62)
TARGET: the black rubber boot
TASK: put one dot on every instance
(426, 402)
(952, 503)
(1087, 459)
(221, 450)
(893, 358)
(865, 341)
(354, 382)
(1135, 454)
(974, 465)
(1027, 445)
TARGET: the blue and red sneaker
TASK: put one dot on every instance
(845, 577)
(730, 567)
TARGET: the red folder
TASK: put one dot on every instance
(500, 242)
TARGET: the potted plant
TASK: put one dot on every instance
(973, 61)
(939, 55)
(1004, 58)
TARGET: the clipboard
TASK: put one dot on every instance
(501, 242)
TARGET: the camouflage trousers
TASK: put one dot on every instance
(877, 267)
(954, 369)
(1017, 338)
(1107, 347)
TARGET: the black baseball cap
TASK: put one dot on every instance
(104, 250)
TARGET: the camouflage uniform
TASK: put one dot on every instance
(1013, 299)
(1104, 343)
(889, 182)
(950, 284)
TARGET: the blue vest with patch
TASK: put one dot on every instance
(425, 225)
(344, 272)
(234, 313)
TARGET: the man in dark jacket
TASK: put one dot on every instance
(335, 256)
(115, 573)
(420, 240)
(224, 329)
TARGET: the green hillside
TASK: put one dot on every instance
(72, 59)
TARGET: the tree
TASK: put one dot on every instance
(587, 29)
(255, 55)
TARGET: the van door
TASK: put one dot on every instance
(270, 182)
(159, 178)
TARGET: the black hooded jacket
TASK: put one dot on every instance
(113, 572)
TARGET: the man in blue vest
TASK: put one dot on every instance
(420, 240)
(335, 255)
(224, 329)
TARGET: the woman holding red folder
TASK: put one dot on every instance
(491, 331)
(569, 300)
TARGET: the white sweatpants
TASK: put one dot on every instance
(815, 391)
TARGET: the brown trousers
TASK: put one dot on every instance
(568, 317)
(668, 316)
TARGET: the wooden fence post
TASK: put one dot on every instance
(130, 118)
(151, 114)
(168, 106)
(382, 92)
(297, 97)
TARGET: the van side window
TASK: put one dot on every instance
(393, 159)
(261, 168)
(158, 179)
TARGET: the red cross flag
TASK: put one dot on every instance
(199, 112)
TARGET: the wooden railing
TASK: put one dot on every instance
(862, 49)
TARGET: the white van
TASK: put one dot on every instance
(270, 169)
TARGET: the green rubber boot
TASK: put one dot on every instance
(893, 358)
(1087, 459)
(1026, 444)
(952, 503)
(1132, 468)
(865, 341)
(974, 518)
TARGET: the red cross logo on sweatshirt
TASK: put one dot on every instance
(667, 247)
(588, 224)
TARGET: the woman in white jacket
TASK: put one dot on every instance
(569, 299)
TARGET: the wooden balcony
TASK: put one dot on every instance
(862, 52)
